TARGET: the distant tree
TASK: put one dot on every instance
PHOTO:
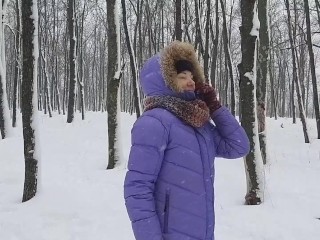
(29, 99)
(295, 76)
(4, 107)
(228, 58)
(178, 30)
(17, 64)
(133, 64)
(312, 67)
(72, 60)
(253, 161)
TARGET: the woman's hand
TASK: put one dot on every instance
(208, 94)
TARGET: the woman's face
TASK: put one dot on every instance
(184, 81)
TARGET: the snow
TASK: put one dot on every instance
(81, 200)
(255, 22)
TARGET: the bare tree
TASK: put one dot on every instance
(262, 75)
(178, 30)
(4, 107)
(114, 75)
(29, 96)
(312, 67)
(17, 65)
(253, 161)
(228, 58)
(132, 60)
(72, 61)
(295, 76)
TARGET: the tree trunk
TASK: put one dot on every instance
(228, 57)
(29, 96)
(312, 68)
(4, 106)
(178, 29)
(17, 66)
(114, 75)
(262, 77)
(72, 61)
(132, 58)
(206, 48)
(215, 47)
(295, 77)
(253, 161)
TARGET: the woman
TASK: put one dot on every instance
(168, 188)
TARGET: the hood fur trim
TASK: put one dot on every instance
(179, 51)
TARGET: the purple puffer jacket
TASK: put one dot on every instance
(168, 188)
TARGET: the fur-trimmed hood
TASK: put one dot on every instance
(158, 73)
(179, 51)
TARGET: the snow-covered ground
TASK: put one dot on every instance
(80, 200)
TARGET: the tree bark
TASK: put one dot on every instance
(72, 61)
(178, 29)
(295, 77)
(206, 48)
(228, 57)
(133, 59)
(253, 161)
(262, 78)
(4, 106)
(114, 75)
(29, 96)
(312, 68)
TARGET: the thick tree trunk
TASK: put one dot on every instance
(312, 68)
(253, 161)
(29, 96)
(114, 75)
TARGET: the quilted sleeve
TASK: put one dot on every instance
(149, 140)
(230, 139)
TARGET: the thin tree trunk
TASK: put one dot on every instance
(262, 75)
(215, 47)
(206, 48)
(228, 57)
(4, 106)
(178, 29)
(132, 59)
(72, 61)
(17, 66)
(295, 77)
(312, 68)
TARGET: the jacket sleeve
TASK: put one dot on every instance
(149, 140)
(230, 139)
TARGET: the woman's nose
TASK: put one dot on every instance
(191, 82)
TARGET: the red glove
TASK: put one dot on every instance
(208, 94)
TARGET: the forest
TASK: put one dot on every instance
(62, 57)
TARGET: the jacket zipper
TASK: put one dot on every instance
(166, 212)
